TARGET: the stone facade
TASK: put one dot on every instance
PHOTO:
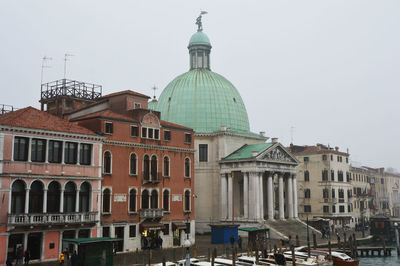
(324, 184)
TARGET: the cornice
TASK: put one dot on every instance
(230, 133)
(147, 146)
(18, 175)
(58, 134)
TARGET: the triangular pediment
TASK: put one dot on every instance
(277, 153)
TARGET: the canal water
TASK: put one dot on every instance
(378, 261)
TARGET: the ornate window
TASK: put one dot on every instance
(154, 199)
(107, 200)
(187, 167)
(84, 197)
(107, 163)
(146, 168)
(166, 166)
(18, 197)
(133, 164)
(132, 200)
(187, 201)
(166, 200)
(53, 197)
(69, 197)
(154, 175)
(145, 199)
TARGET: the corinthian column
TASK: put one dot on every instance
(230, 197)
(295, 207)
(290, 196)
(246, 195)
(260, 186)
(270, 195)
(281, 198)
(224, 197)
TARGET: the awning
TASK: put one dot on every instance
(179, 225)
(151, 226)
(253, 229)
(91, 240)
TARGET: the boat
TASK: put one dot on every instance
(338, 258)
(302, 258)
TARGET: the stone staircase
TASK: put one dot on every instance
(292, 228)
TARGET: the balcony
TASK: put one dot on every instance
(52, 218)
(153, 178)
(151, 213)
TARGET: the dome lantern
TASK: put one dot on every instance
(199, 47)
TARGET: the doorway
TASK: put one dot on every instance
(35, 245)
(13, 242)
(119, 233)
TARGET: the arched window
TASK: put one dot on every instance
(166, 200)
(187, 167)
(154, 168)
(146, 168)
(132, 200)
(18, 197)
(106, 200)
(187, 201)
(145, 199)
(154, 199)
(107, 163)
(133, 164)
(306, 176)
(69, 197)
(84, 197)
(36, 197)
(53, 197)
(166, 166)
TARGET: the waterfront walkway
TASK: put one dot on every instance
(202, 249)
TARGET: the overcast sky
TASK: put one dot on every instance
(330, 69)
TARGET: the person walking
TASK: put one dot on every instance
(240, 242)
(74, 259)
(18, 256)
(232, 239)
(61, 259)
(67, 257)
(27, 257)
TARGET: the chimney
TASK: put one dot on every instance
(274, 140)
(262, 133)
(254, 153)
(336, 148)
(223, 128)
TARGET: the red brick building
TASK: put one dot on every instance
(50, 183)
(148, 175)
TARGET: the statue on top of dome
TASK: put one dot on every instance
(198, 21)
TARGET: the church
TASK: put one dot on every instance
(239, 175)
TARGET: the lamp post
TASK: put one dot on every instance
(396, 228)
(187, 243)
(308, 240)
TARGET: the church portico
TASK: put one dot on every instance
(260, 187)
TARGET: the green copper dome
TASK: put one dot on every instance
(200, 98)
(204, 101)
(199, 38)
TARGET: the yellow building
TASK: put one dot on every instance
(324, 184)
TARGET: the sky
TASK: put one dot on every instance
(309, 71)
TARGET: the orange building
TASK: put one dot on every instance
(148, 175)
(50, 183)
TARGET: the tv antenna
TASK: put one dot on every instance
(44, 60)
(154, 89)
(65, 63)
(291, 134)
